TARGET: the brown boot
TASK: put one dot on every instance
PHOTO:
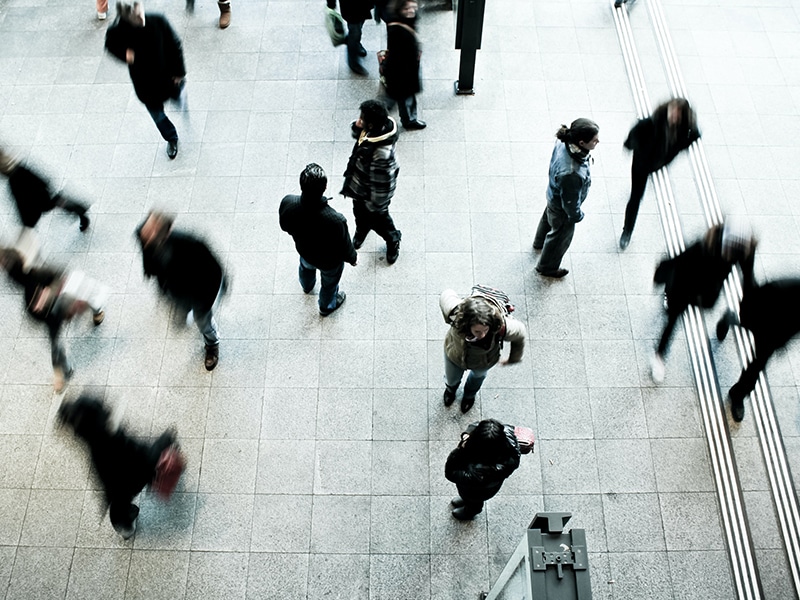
(224, 13)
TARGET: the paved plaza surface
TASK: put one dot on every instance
(316, 448)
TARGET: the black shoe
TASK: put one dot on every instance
(618, 3)
(392, 252)
(737, 409)
(724, 324)
(557, 274)
(340, 298)
(449, 396)
(84, 223)
(624, 240)
(458, 502)
(415, 124)
(358, 240)
(212, 357)
(358, 69)
(172, 149)
(537, 247)
(362, 52)
(461, 515)
(466, 403)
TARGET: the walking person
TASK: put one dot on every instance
(154, 56)
(474, 341)
(33, 196)
(569, 183)
(486, 456)
(371, 177)
(655, 142)
(224, 11)
(54, 296)
(123, 464)
(770, 313)
(401, 68)
(695, 277)
(187, 272)
(320, 237)
(355, 12)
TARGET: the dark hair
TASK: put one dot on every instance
(581, 130)
(373, 113)
(313, 180)
(475, 310)
(488, 439)
(687, 114)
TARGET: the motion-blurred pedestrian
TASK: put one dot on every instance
(484, 458)
(656, 141)
(32, 193)
(123, 464)
(568, 186)
(695, 277)
(355, 12)
(371, 176)
(401, 67)
(320, 236)
(154, 56)
(187, 272)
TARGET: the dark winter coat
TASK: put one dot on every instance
(371, 173)
(356, 11)
(158, 57)
(401, 67)
(770, 312)
(320, 232)
(186, 270)
(480, 477)
(696, 276)
(652, 145)
(32, 195)
(569, 182)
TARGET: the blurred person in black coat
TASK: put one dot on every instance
(770, 313)
(187, 272)
(485, 457)
(401, 67)
(154, 56)
(123, 464)
(32, 193)
(695, 277)
(656, 141)
(355, 12)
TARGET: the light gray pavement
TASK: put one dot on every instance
(316, 448)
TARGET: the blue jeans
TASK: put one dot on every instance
(329, 279)
(453, 374)
(165, 126)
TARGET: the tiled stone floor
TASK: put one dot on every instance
(317, 446)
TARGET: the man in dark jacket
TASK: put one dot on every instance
(33, 196)
(770, 313)
(371, 177)
(355, 12)
(320, 236)
(655, 142)
(487, 454)
(187, 271)
(154, 56)
(401, 67)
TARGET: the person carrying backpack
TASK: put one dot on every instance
(479, 324)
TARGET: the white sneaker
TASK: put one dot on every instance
(101, 16)
(189, 318)
(657, 368)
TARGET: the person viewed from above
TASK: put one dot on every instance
(401, 68)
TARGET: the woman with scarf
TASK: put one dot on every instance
(569, 183)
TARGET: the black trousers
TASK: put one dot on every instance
(639, 175)
(380, 222)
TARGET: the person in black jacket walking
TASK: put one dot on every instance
(371, 176)
(154, 56)
(187, 272)
(33, 196)
(401, 67)
(695, 277)
(320, 236)
(355, 12)
(655, 142)
(487, 454)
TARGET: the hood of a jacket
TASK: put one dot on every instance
(387, 135)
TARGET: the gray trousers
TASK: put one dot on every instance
(554, 235)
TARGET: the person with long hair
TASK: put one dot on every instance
(569, 183)
(484, 458)
(401, 67)
(474, 343)
(655, 142)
